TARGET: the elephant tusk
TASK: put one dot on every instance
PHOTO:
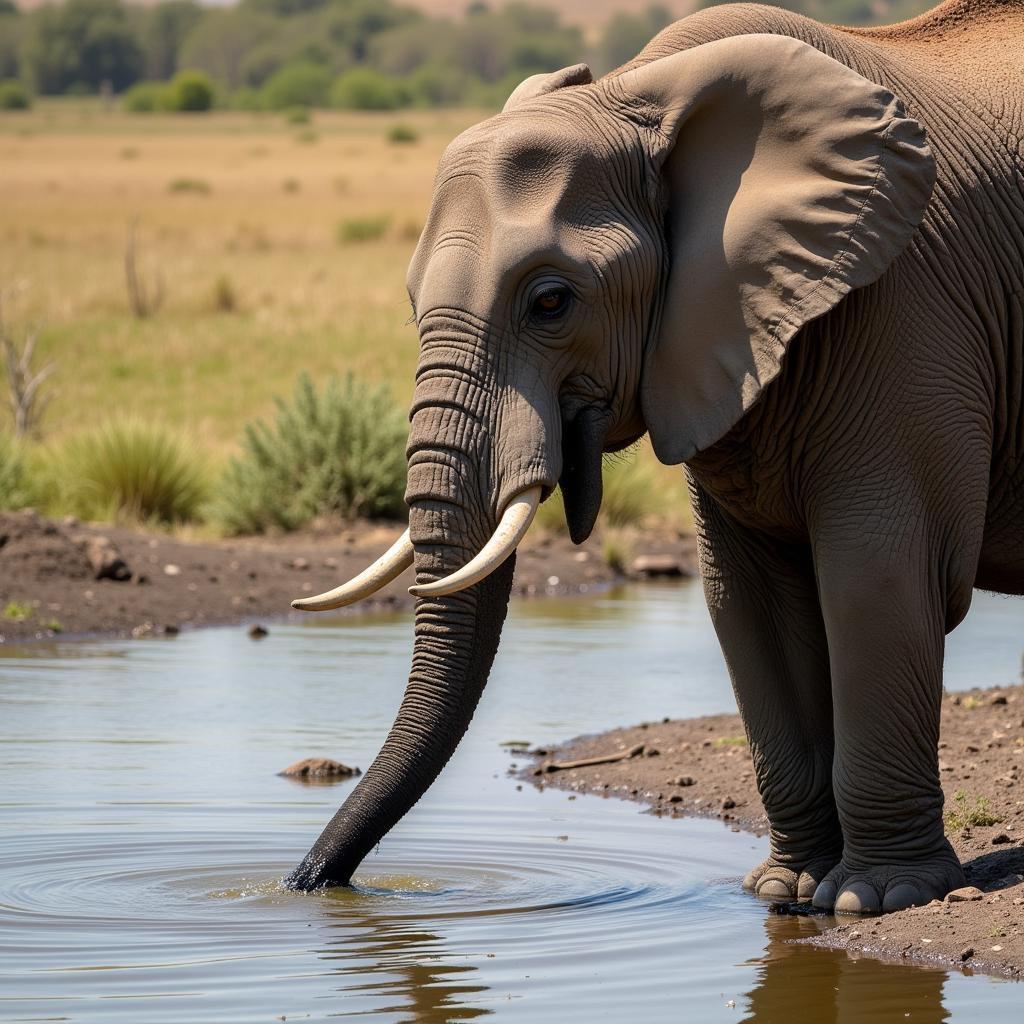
(515, 521)
(392, 563)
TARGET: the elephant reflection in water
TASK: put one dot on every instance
(797, 983)
(398, 960)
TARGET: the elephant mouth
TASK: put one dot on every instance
(583, 439)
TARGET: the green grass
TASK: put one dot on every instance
(967, 811)
(724, 742)
(363, 229)
(15, 489)
(129, 470)
(17, 611)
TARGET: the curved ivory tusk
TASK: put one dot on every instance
(515, 521)
(392, 563)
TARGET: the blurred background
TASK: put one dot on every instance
(207, 208)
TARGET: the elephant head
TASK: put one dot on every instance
(603, 259)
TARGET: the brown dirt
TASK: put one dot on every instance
(48, 574)
(702, 766)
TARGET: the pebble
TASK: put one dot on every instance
(999, 838)
(967, 953)
(172, 570)
(684, 780)
(257, 632)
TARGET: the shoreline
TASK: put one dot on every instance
(75, 580)
(702, 767)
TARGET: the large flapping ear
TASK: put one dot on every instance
(790, 180)
(537, 85)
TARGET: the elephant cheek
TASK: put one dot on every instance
(581, 484)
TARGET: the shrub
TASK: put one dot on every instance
(340, 451)
(130, 470)
(225, 298)
(363, 229)
(366, 89)
(13, 95)
(145, 97)
(964, 813)
(402, 133)
(190, 92)
(299, 84)
(14, 487)
(297, 115)
(189, 185)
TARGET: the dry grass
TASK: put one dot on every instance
(300, 301)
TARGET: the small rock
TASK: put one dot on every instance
(657, 565)
(999, 838)
(104, 558)
(728, 803)
(319, 768)
(140, 579)
(257, 632)
(652, 752)
(996, 949)
(675, 798)
(302, 564)
(169, 630)
(330, 563)
(172, 570)
(998, 698)
(966, 894)
(966, 953)
(684, 780)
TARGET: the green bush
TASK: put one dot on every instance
(190, 92)
(363, 229)
(14, 486)
(13, 95)
(366, 89)
(299, 84)
(130, 470)
(340, 452)
(402, 133)
(145, 97)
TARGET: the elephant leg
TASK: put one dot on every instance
(886, 613)
(764, 605)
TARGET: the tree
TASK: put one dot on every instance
(300, 84)
(221, 40)
(80, 46)
(626, 35)
(163, 30)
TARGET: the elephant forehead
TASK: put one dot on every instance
(525, 167)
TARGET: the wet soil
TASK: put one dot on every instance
(154, 583)
(702, 766)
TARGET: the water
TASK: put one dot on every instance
(144, 832)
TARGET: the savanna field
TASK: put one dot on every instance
(263, 245)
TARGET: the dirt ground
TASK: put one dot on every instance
(702, 766)
(155, 583)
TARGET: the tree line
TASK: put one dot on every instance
(274, 54)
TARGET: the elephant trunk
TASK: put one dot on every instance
(456, 639)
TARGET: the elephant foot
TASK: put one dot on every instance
(775, 880)
(887, 887)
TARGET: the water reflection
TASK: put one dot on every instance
(139, 794)
(795, 980)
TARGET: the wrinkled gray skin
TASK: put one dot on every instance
(842, 377)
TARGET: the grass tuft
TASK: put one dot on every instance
(402, 134)
(195, 185)
(15, 491)
(363, 229)
(966, 812)
(340, 451)
(128, 470)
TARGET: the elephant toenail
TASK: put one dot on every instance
(750, 881)
(825, 895)
(857, 898)
(774, 889)
(806, 887)
(901, 896)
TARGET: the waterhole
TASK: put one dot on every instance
(145, 833)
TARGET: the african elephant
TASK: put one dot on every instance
(792, 254)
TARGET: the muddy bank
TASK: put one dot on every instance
(69, 578)
(702, 766)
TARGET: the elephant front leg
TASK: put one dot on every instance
(885, 619)
(765, 609)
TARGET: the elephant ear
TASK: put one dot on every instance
(789, 180)
(539, 85)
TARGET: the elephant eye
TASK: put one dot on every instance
(550, 303)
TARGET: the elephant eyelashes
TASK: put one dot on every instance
(550, 304)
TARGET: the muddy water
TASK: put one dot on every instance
(143, 832)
